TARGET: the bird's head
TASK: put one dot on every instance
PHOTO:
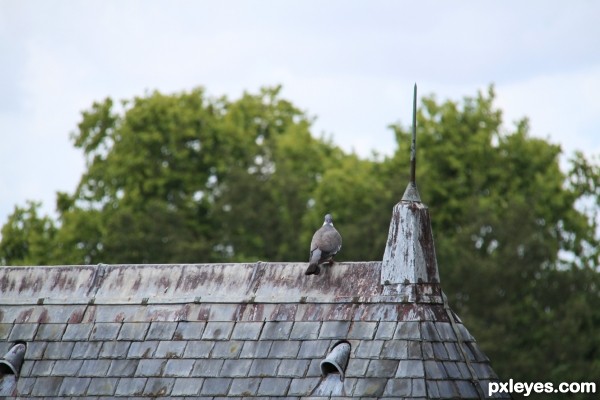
(328, 220)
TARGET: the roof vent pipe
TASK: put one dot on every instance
(337, 360)
(13, 359)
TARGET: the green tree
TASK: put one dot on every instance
(27, 237)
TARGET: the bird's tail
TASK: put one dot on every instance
(313, 269)
(313, 265)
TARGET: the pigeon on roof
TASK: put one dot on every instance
(325, 244)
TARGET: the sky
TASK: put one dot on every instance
(351, 64)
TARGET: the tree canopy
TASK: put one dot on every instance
(187, 177)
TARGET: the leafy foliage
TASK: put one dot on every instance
(190, 178)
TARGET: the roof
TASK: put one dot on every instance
(237, 330)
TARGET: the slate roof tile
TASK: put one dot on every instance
(418, 388)
(142, 349)
(160, 331)
(102, 386)
(66, 367)
(42, 368)
(314, 348)
(264, 367)
(77, 331)
(25, 385)
(293, 368)
(170, 349)
(58, 350)
(432, 389)
(453, 351)
(357, 367)
(385, 330)
(452, 370)
(217, 330)
(86, 350)
(26, 367)
(302, 386)
(429, 332)
(334, 330)
(94, 367)
(304, 330)
(362, 330)
(46, 386)
(246, 331)
(284, 349)
(410, 369)
(150, 367)
(122, 368)
(276, 330)
(274, 386)
(133, 331)
(72, 386)
(198, 349)
(427, 350)
(22, 332)
(159, 386)
(189, 330)
(394, 349)
(408, 330)
(130, 386)
(215, 386)
(235, 368)
(244, 387)
(398, 387)
(369, 387)
(434, 370)
(228, 349)
(35, 350)
(114, 349)
(105, 331)
(446, 332)
(207, 368)
(256, 349)
(187, 386)
(369, 348)
(439, 351)
(447, 389)
(51, 332)
(414, 349)
(382, 368)
(176, 367)
(467, 390)
(5, 330)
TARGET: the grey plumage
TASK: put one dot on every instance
(325, 244)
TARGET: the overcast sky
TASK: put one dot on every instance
(351, 64)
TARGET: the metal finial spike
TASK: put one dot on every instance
(411, 193)
(413, 146)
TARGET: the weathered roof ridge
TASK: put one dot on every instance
(206, 283)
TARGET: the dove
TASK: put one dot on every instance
(325, 244)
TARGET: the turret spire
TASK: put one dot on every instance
(409, 256)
